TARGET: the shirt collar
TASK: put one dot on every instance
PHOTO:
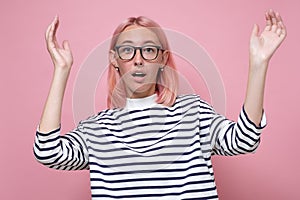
(141, 102)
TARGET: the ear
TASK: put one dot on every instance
(112, 58)
(165, 57)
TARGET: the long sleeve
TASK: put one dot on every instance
(233, 138)
(64, 152)
(221, 136)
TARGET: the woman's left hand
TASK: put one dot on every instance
(263, 46)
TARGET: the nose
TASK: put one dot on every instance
(138, 60)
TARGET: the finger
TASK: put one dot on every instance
(273, 20)
(278, 21)
(268, 22)
(66, 45)
(278, 17)
(49, 28)
(273, 16)
(50, 37)
(49, 32)
(281, 26)
(278, 31)
(255, 30)
(283, 30)
(56, 23)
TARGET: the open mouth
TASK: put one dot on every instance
(138, 74)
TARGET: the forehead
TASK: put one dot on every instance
(137, 35)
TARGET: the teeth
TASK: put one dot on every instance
(138, 74)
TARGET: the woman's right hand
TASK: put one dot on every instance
(62, 60)
(61, 55)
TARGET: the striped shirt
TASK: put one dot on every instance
(149, 151)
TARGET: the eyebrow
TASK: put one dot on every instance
(131, 42)
(127, 41)
(149, 41)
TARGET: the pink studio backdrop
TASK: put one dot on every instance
(221, 27)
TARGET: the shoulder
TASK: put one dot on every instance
(192, 102)
(192, 99)
(106, 114)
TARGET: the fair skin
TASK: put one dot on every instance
(138, 86)
(262, 46)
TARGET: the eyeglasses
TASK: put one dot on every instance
(127, 52)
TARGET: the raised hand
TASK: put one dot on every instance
(61, 55)
(263, 46)
(62, 59)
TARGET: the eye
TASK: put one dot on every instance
(149, 49)
(126, 50)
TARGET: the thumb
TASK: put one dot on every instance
(66, 45)
(255, 30)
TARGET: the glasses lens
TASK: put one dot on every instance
(149, 52)
(126, 52)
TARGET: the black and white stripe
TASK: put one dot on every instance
(154, 152)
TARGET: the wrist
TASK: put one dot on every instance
(62, 71)
(258, 65)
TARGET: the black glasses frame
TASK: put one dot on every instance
(139, 48)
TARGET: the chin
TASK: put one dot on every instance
(142, 91)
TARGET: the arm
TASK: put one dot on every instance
(233, 138)
(66, 152)
(227, 137)
(262, 47)
(62, 60)
(243, 136)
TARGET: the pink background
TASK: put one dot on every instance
(222, 28)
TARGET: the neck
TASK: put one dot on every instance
(132, 103)
(141, 94)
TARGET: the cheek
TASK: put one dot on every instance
(124, 67)
(125, 75)
(153, 69)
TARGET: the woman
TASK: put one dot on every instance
(151, 143)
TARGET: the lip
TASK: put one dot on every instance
(139, 79)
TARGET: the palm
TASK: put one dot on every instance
(61, 56)
(263, 46)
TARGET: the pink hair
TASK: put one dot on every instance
(167, 81)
